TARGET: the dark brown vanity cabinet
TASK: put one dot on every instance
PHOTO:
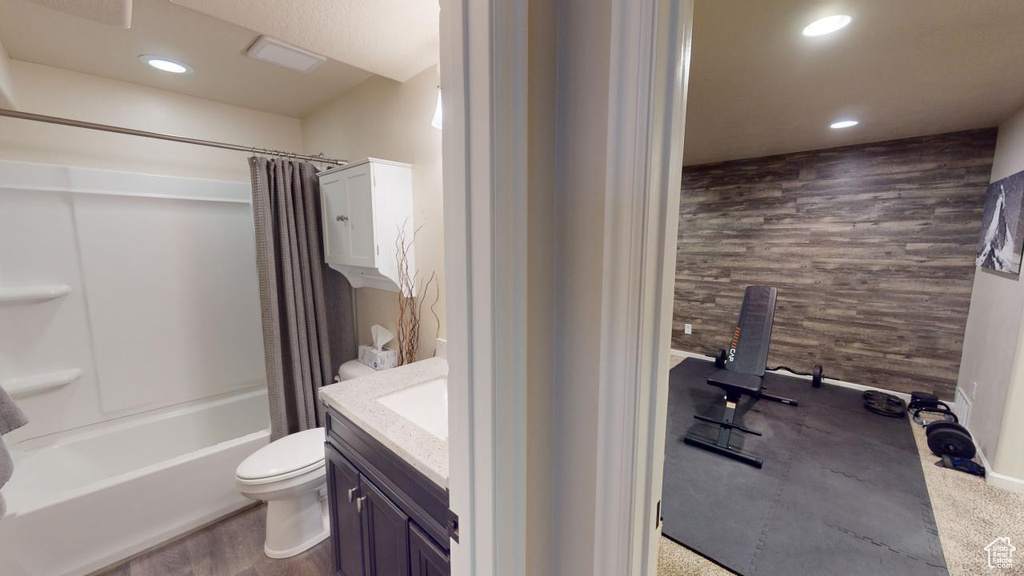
(425, 557)
(387, 519)
(346, 520)
(385, 533)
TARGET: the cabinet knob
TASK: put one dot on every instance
(341, 218)
(359, 504)
(352, 493)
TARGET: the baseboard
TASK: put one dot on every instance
(992, 478)
(827, 380)
(995, 479)
(1003, 481)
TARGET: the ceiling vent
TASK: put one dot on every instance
(274, 51)
(110, 12)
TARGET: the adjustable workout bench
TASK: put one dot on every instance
(742, 372)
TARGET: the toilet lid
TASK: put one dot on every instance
(293, 453)
(354, 369)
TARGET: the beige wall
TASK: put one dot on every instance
(385, 119)
(1009, 457)
(993, 356)
(379, 118)
(57, 92)
(6, 88)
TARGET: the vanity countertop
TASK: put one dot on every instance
(356, 399)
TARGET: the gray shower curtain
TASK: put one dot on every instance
(308, 317)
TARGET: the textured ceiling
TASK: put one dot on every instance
(214, 48)
(396, 39)
(109, 12)
(903, 68)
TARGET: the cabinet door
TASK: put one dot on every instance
(425, 557)
(347, 197)
(346, 525)
(385, 533)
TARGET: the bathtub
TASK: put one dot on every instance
(90, 498)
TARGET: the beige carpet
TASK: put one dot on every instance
(968, 513)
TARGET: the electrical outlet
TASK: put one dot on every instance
(688, 328)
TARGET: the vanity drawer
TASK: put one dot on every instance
(422, 499)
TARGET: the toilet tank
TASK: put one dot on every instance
(353, 369)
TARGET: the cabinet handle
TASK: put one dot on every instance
(352, 493)
(359, 504)
(341, 218)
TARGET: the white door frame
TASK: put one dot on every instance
(650, 58)
(483, 78)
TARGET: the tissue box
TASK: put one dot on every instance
(378, 359)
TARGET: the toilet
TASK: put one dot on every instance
(353, 369)
(290, 476)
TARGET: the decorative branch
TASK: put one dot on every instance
(410, 305)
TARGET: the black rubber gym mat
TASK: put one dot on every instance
(841, 491)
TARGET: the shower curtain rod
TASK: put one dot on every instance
(160, 136)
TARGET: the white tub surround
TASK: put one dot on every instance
(123, 293)
(130, 335)
(85, 499)
(376, 403)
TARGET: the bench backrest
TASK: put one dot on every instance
(748, 350)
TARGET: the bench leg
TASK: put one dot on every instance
(721, 445)
(779, 399)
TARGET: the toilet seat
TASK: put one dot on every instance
(289, 457)
(269, 491)
(273, 479)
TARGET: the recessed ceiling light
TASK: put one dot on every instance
(827, 25)
(843, 124)
(166, 64)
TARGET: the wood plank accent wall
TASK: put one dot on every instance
(872, 249)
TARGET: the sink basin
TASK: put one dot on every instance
(425, 405)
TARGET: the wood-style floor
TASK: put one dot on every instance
(230, 547)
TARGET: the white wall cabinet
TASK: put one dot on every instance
(365, 206)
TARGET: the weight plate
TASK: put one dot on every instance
(887, 400)
(870, 395)
(720, 359)
(883, 408)
(951, 442)
(944, 425)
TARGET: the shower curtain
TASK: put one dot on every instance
(308, 316)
